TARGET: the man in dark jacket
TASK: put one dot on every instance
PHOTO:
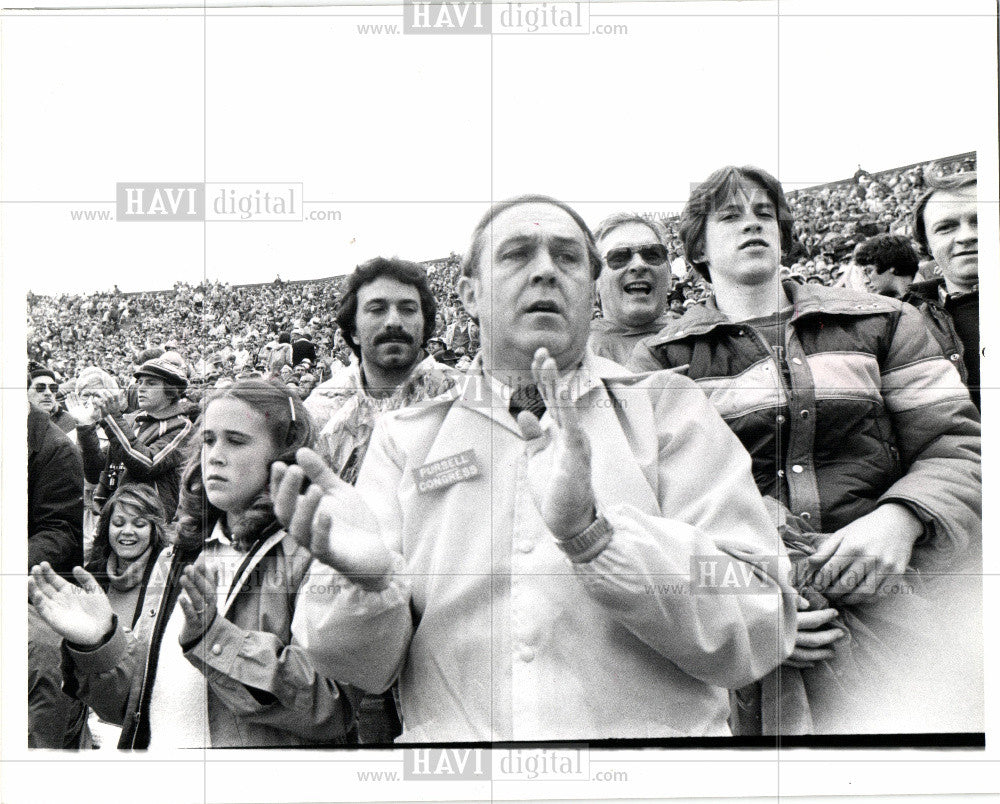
(857, 424)
(945, 224)
(55, 495)
(303, 348)
(55, 534)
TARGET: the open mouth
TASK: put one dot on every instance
(638, 288)
(543, 306)
(754, 243)
(127, 541)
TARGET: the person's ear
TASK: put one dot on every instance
(468, 290)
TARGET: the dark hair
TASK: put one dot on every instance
(196, 515)
(285, 337)
(955, 181)
(35, 373)
(715, 191)
(409, 273)
(888, 252)
(146, 502)
(470, 261)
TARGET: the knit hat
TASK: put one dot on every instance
(94, 377)
(148, 354)
(170, 368)
(36, 370)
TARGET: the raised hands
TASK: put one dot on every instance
(82, 410)
(197, 599)
(79, 614)
(331, 520)
(559, 477)
(107, 402)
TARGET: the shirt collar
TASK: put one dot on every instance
(944, 295)
(488, 391)
(218, 536)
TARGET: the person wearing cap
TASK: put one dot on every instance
(146, 446)
(133, 389)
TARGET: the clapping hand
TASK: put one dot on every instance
(197, 599)
(331, 520)
(559, 477)
(83, 410)
(79, 614)
(107, 402)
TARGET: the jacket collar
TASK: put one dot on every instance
(352, 379)
(604, 325)
(173, 409)
(249, 565)
(490, 397)
(808, 299)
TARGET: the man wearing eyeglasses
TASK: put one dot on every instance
(42, 391)
(634, 287)
(505, 554)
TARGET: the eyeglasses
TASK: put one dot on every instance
(42, 387)
(652, 254)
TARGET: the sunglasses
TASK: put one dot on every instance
(42, 387)
(653, 254)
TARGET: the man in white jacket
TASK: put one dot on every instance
(561, 552)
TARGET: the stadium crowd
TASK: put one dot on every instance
(832, 454)
(223, 329)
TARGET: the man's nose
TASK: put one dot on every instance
(751, 223)
(543, 269)
(636, 263)
(967, 232)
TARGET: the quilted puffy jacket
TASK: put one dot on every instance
(872, 411)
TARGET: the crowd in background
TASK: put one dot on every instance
(125, 376)
(227, 331)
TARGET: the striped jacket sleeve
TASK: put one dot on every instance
(938, 433)
(147, 461)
